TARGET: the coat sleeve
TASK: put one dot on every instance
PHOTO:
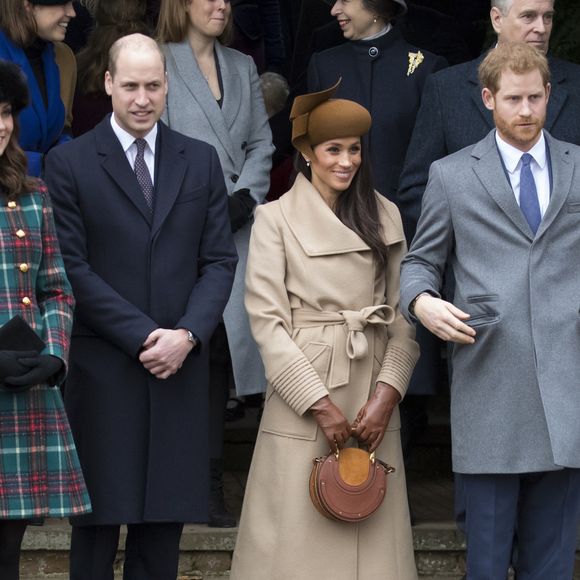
(423, 268)
(53, 291)
(402, 351)
(427, 145)
(98, 305)
(288, 371)
(255, 174)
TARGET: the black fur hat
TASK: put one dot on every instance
(13, 87)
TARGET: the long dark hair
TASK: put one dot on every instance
(13, 167)
(357, 207)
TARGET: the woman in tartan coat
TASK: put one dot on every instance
(39, 470)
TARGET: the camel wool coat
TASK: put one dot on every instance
(312, 292)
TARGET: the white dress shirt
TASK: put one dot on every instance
(512, 159)
(128, 143)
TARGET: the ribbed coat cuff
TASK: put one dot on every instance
(397, 367)
(299, 385)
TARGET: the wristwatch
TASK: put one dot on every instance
(414, 301)
(190, 337)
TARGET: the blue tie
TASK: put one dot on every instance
(529, 203)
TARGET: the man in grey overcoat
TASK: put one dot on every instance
(504, 214)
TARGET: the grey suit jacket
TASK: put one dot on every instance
(241, 135)
(515, 393)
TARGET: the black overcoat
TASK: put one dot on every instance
(142, 442)
(377, 74)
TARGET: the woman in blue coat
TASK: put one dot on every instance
(31, 35)
(40, 475)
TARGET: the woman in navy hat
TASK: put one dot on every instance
(31, 35)
(40, 475)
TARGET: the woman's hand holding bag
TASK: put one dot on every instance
(373, 419)
(333, 423)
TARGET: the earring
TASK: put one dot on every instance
(375, 20)
(308, 163)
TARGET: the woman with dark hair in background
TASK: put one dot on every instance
(113, 19)
(322, 294)
(215, 96)
(31, 35)
(39, 469)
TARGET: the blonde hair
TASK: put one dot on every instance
(518, 57)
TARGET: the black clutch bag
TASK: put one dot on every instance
(17, 334)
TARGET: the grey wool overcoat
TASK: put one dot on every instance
(515, 393)
(305, 269)
(241, 135)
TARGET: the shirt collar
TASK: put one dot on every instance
(511, 155)
(126, 139)
(380, 33)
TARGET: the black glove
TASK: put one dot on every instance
(40, 369)
(240, 206)
(10, 364)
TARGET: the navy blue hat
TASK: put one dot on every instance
(13, 86)
(400, 5)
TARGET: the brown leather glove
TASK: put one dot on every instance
(372, 420)
(332, 422)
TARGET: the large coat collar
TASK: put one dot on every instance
(221, 119)
(170, 168)
(317, 229)
(488, 167)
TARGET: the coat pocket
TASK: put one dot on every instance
(319, 354)
(280, 419)
(573, 207)
(483, 310)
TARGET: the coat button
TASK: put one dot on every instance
(244, 145)
(26, 301)
(23, 267)
(373, 52)
(20, 233)
(234, 178)
(11, 204)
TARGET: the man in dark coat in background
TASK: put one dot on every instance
(142, 218)
(452, 115)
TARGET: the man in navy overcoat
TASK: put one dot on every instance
(142, 218)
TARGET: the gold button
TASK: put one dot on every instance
(23, 267)
(26, 301)
(20, 233)
(11, 204)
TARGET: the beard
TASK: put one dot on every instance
(523, 133)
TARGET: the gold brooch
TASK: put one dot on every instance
(415, 59)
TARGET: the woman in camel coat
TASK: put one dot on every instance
(338, 355)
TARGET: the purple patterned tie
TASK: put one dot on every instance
(142, 173)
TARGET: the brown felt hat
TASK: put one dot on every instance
(317, 118)
(51, 2)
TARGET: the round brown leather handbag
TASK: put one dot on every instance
(348, 485)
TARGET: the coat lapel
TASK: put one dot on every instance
(114, 162)
(475, 93)
(170, 172)
(187, 69)
(558, 95)
(315, 227)
(232, 85)
(489, 169)
(562, 171)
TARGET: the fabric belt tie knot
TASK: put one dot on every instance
(357, 346)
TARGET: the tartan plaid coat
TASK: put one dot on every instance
(40, 473)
